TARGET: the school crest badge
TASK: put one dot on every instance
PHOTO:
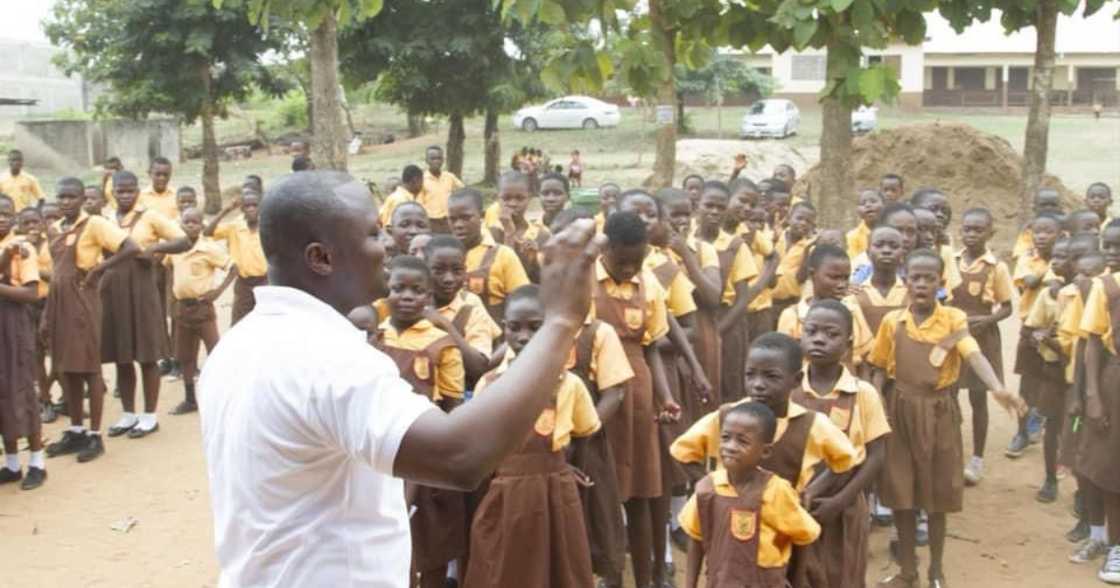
(974, 288)
(633, 317)
(422, 367)
(546, 423)
(476, 283)
(743, 523)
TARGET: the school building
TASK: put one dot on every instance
(979, 68)
(30, 84)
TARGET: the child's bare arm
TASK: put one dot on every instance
(984, 371)
(609, 401)
(474, 361)
(695, 563)
(213, 295)
(829, 507)
(1094, 359)
(679, 337)
(708, 290)
(744, 294)
(228, 208)
(670, 410)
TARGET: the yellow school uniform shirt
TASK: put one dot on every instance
(782, 522)
(450, 380)
(480, 330)
(793, 254)
(679, 291)
(896, 296)
(609, 366)
(392, 201)
(1023, 243)
(950, 274)
(98, 235)
(743, 266)
(151, 228)
(244, 247)
(705, 252)
(1096, 319)
(436, 191)
(574, 415)
(46, 268)
(506, 274)
(24, 189)
(1046, 314)
(857, 239)
(791, 319)
(999, 286)
(107, 190)
(868, 418)
(600, 222)
(164, 202)
(944, 321)
(493, 215)
(1029, 264)
(826, 443)
(194, 269)
(762, 245)
(24, 266)
(656, 314)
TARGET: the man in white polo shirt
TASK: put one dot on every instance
(309, 431)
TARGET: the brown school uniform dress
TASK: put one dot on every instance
(132, 320)
(439, 525)
(706, 345)
(969, 297)
(19, 403)
(1098, 450)
(73, 312)
(733, 342)
(731, 535)
(672, 473)
(532, 502)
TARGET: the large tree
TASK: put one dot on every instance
(180, 57)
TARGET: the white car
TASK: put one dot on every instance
(569, 112)
(864, 119)
(773, 117)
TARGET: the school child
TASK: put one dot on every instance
(1101, 439)
(408, 222)
(111, 166)
(760, 312)
(1046, 200)
(252, 183)
(693, 185)
(869, 206)
(96, 204)
(550, 548)
(575, 169)
(608, 201)
(553, 195)
(34, 231)
(1083, 221)
(52, 213)
(429, 360)
(631, 300)
(243, 238)
(1098, 198)
(19, 410)
(792, 246)
(899, 216)
(1030, 273)
(781, 207)
(922, 348)
(459, 312)
(526, 237)
(743, 519)
(78, 244)
(884, 291)
(493, 270)
(22, 187)
(132, 321)
(891, 187)
(185, 198)
(784, 173)
(159, 195)
(439, 184)
(927, 228)
(985, 296)
(412, 183)
(195, 291)
(839, 557)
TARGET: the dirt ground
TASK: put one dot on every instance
(62, 535)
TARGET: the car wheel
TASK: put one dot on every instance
(529, 125)
(590, 124)
(785, 131)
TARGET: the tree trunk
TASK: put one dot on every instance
(493, 149)
(416, 125)
(455, 138)
(834, 192)
(211, 182)
(1038, 119)
(328, 143)
(665, 160)
(681, 128)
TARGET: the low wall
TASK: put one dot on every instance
(69, 146)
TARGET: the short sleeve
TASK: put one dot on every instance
(612, 368)
(585, 419)
(968, 345)
(1041, 313)
(690, 519)
(679, 299)
(224, 231)
(478, 334)
(696, 444)
(782, 511)
(788, 323)
(707, 255)
(657, 314)
(509, 271)
(743, 266)
(1002, 285)
(26, 266)
(105, 234)
(862, 337)
(831, 445)
(882, 348)
(451, 376)
(872, 415)
(164, 227)
(1095, 319)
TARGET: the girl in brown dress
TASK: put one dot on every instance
(529, 528)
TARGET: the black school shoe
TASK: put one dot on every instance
(137, 432)
(1079, 532)
(185, 407)
(71, 442)
(8, 476)
(1048, 492)
(34, 478)
(94, 448)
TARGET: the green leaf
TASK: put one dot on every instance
(803, 33)
(841, 5)
(871, 84)
(552, 13)
(862, 13)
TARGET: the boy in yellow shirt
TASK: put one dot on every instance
(412, 184)
(21, 186)
(1098, 198)
(525, 236)
(793, 245)
(243, 238)
(493, 270)
(869, 206)
(160, 195)
(1046, 201)
(33, 229)
(439, 184)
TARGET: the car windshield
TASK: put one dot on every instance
(767, 108)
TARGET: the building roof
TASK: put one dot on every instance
(18, 101)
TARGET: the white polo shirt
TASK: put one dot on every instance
(301, 422)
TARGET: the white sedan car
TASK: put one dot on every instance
(864, 119)
(774, 117)
(569, 112)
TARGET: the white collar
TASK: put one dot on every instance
(280, 300)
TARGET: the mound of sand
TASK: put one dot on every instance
(714, 158)
(973, 168)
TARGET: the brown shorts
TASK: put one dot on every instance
(192, 317)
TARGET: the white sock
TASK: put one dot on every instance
(676, 505)
(668, 548)
(11, 461)
(38, 460)
(77, 429)
(147, 420)
(95, 433)
(128, 419)
(1096, 533)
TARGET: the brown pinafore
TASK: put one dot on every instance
(478, 282)
(838, 558)
(672, 472)
(1097, 459)
(925, 457)
(872, 312)
(73, 312)
(606, 534)
(730, 526)
(1070, 448)
(439, 525)
(244, 301)
(19, 403)
(706, 343)
(969, 297)
(633, 434)
(733, 341)
(529, 528)
(132, 319)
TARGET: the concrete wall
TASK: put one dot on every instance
(70, 146)
(26, 71)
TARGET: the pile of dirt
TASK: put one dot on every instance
(715, 158)
(973, 168)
